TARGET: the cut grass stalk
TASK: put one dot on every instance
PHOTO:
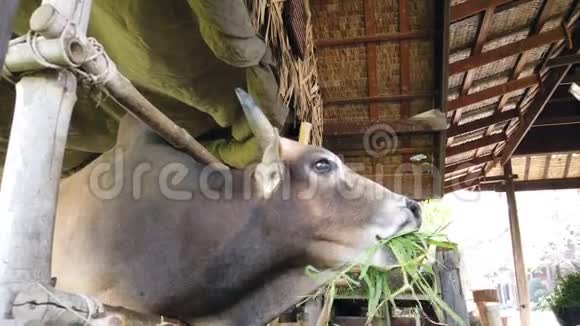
(413, 253)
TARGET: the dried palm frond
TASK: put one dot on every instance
(298, 77)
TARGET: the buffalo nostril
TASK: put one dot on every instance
(414, 207)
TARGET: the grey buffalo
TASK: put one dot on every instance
(146, 227)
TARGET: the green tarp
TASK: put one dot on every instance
(186, 57)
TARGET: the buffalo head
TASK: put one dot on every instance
(343, 213)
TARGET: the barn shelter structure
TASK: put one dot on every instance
(425, 97)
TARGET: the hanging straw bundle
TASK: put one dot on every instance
(298, 77)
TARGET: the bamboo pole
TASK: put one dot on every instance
(305, 132)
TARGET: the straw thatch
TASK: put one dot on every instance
(298, 77)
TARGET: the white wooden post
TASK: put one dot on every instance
(519, 265)
(29, 189)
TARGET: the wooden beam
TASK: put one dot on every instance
(550, 140)
(492, 92)
(459, 166)
(483, 30)
(532, 113)
(464, 181)
(567, 166)
(547, 166)
(378, 38)
(521, 61)
(476, 144)
(379, 99)
(556, 121)
(534, 185)
(472, 7)
(441, 74)
(506, 51)
(482, 33)
(371, 30)
(519, 265)
(528, 165)
(404, 57)
(563, 60)
(481, 123)
(402, 126)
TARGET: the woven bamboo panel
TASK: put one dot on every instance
(343, 72)
(481, 104)
(386, 15)
(485, 83)
(557, 166)
(459, 158)
(462, 34)
(421, 65)
(518, 167)
(519, 16)
(459, 55)
(536, 169)
(353, 112)
(343, 69)
(333, 19)
(389, 111)
(574, 166)
(421, 14)
(495, 67)
(388, 69)
(505, 40)
(471, 136)
(480, 113)
(455, 81)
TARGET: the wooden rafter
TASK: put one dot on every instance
(413, 35)
(484, 27)
(532, 113)
(563, 61)
(470, 179)
(404, 56)
(371, 30)
(533, 185)
(441, 74)
(556, 121)
(492, 92)
(379, 99)
(401, 126)
(482, 123)
(476, 144)
(521, 61)
(567, 166)
(547, 165)
(527, 171)
(472, 7)
(459, 166)
(507, 51)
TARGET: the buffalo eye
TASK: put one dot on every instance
(322, 166)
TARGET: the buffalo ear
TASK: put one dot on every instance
(269, 172)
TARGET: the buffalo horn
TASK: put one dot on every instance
(257, 120)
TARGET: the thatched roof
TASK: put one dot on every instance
(493, 103)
